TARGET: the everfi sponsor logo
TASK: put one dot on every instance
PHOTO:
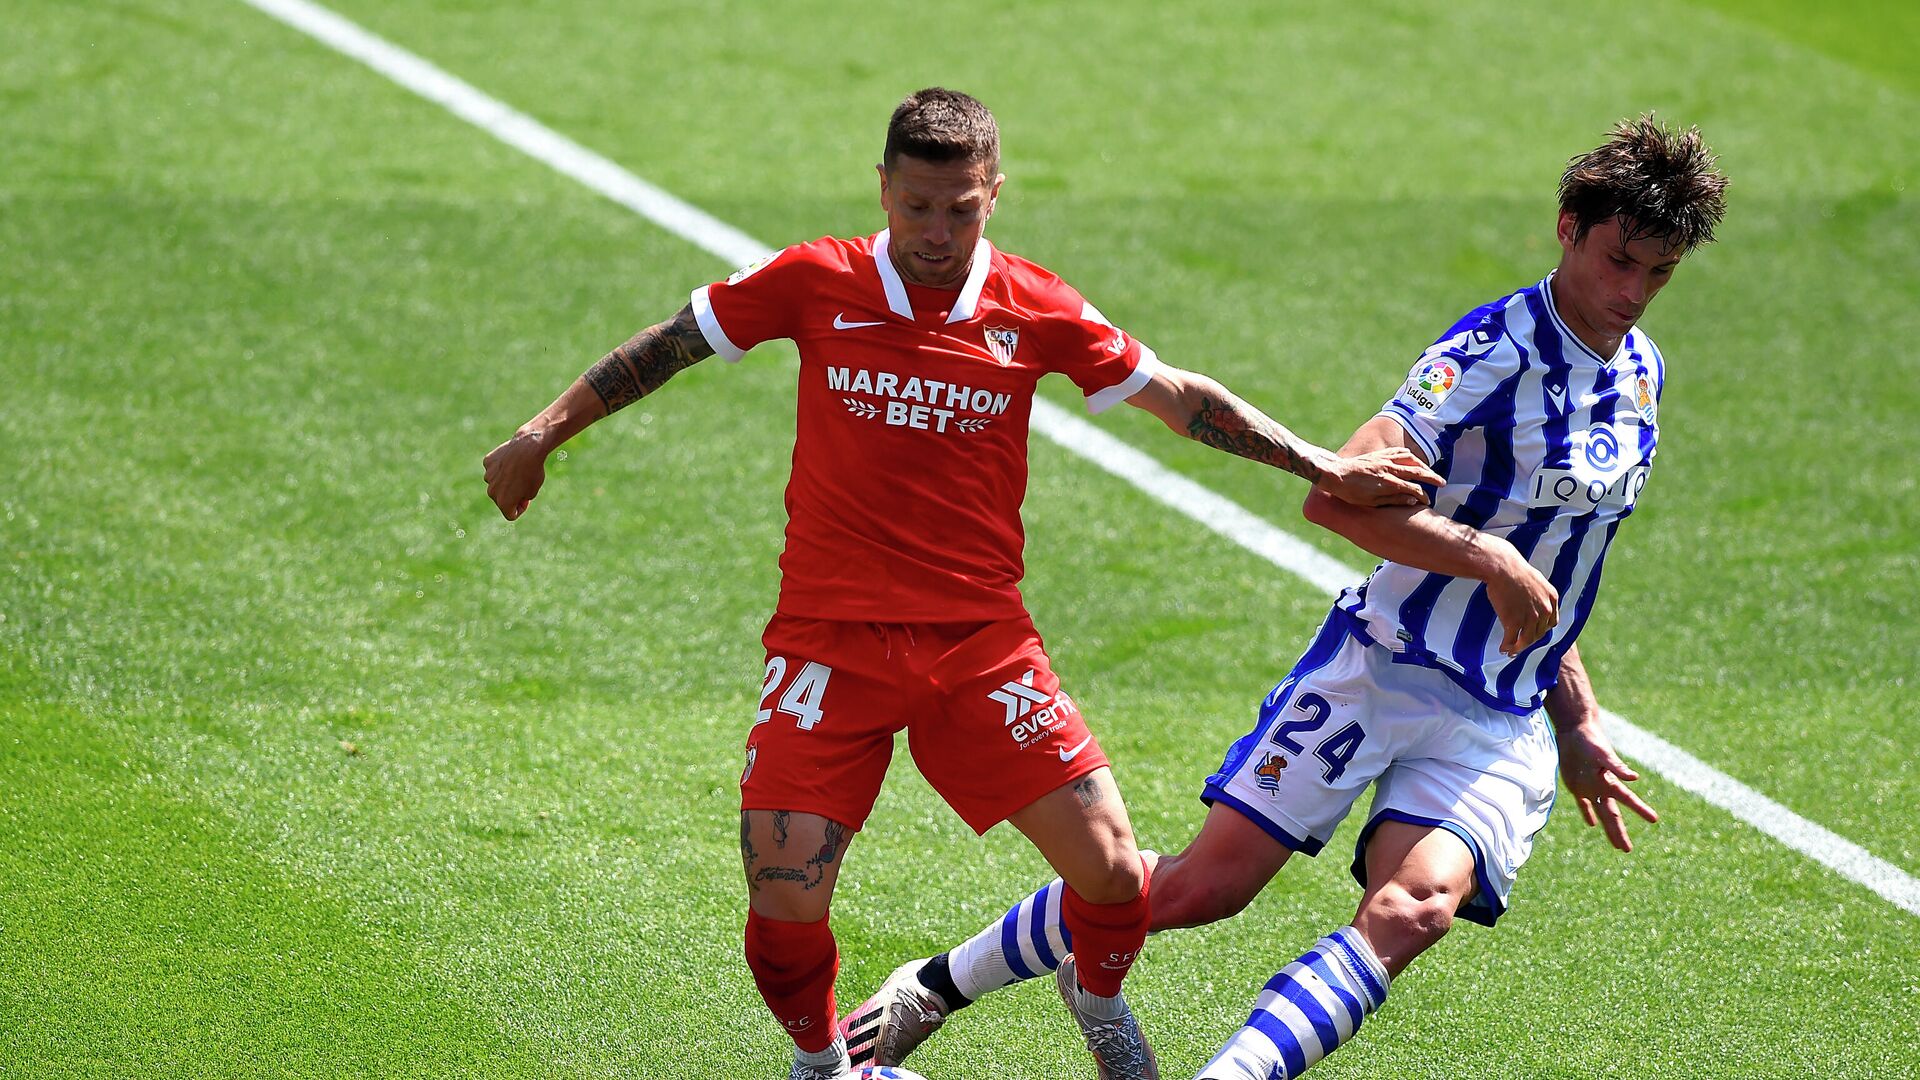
(1032, 713)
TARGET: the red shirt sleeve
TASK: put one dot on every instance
(1108, 364)
(759, 302)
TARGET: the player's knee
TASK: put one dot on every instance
(789, 903)
(1115, 872)
(1117, 879)
(1412, 917)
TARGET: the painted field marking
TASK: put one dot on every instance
(1203, 505)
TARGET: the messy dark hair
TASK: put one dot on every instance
(1658, 182)
(941, 125)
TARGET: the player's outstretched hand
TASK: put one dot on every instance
(515, 470)
(1526, 602)
(1389, 477)
(1598, 780)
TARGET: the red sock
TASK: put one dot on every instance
(1106, 938)
(793, 964)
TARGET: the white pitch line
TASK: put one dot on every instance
(1205, 506)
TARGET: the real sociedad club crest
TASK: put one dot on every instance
(1001, 341)
(1267, 773)
(1643, 398)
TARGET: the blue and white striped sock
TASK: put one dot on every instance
(1028, 941)
(1305, 1012)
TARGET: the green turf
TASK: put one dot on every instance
(261, 312)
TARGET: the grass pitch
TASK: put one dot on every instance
(311, 766)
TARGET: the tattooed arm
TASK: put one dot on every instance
(1203, 410)
(516, 468)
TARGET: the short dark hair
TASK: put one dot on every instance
(937, 124)
(1657, 181)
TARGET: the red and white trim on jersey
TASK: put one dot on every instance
(1101, 400)
(723, 346)
(1143, 372)
(963, 307)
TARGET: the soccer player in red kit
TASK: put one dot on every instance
(899, 603)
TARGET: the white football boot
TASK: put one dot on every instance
(1112, 1034)
(895, 1020)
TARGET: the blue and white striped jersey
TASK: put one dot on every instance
(1541, 441)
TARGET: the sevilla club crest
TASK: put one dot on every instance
(1001, 341)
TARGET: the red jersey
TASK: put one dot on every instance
(910, 450)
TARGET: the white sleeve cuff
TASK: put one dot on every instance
(1143, 372)
(710, 327)
(1420, 439)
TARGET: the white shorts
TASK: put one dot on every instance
(1347, 716)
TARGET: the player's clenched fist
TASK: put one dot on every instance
(515, 470)
(1526, 602)
(1389, 477)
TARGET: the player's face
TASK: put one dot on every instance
(935, 214)
(1606, 281)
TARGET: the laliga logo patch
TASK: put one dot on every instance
(1001, 342)
(1603, 448)
(1432, 381)
(750, 269)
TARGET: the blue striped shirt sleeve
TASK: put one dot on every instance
(1448, 382)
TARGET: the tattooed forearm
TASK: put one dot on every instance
(1224, 422)
(651, 357)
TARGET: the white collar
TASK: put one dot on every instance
(1553, 311)
(963, 307)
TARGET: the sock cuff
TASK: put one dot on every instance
(769, 924)
(1351, 948)
(779, 935)
(936, 978)
(789, 954)
(1124, 916)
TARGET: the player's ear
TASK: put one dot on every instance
(1568, 230)
(993, 194)
(882, 170)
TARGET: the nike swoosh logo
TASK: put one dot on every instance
(1069, 755)
(840, 323)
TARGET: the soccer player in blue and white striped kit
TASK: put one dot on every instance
(1444, 678)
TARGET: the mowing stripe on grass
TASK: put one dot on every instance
(1203, 505)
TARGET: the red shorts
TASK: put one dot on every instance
(985, 718)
